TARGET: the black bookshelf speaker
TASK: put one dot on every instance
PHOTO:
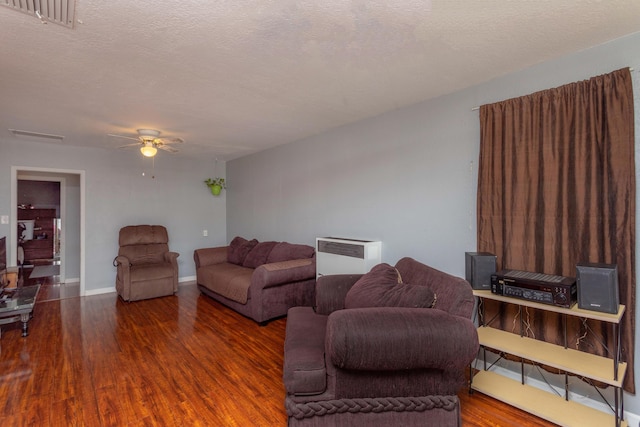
(598, 287)
(479, 266)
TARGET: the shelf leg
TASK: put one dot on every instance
(616, 350)
(621, 418)
(616, 403)
(564, 329)
(484, 357)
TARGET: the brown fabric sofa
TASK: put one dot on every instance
(260, 280)
(389, 348)
(145, 266)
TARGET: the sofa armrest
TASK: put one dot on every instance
(392, 338)
(331, 290)
(277, 273)
(210, 256)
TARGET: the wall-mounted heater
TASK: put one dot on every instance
(335, 255)
(61, 12)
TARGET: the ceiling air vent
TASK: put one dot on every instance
(32, 135)
(59, 12)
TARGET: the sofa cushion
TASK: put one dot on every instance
(383, 287)
(284, 251)
(455, 294)
(239, 248)
(304, 365)
(258, 255)
(229, 280)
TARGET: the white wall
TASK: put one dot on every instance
(407, 178)
(117, 194)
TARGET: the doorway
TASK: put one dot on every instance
(71, 218)
(40, 219)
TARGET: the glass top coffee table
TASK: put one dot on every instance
(16, 305)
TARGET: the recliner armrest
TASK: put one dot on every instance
(209, 256)
(121, 260)
(331, 290)
(392, 338)
(171, 257)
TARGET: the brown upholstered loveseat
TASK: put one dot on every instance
(388, 348)
(260, 280)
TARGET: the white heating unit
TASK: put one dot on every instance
(335, 255)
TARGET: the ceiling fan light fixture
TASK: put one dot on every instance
(148, 150)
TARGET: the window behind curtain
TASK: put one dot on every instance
(556, 187)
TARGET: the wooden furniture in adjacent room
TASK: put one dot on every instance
(558, 409)
(41, 246)
(11, 277)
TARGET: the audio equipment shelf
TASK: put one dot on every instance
(548, 405)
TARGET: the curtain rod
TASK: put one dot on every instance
(477, 108)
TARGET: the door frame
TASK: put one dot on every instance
(14, 211)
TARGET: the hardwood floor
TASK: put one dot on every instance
(51, 288)
(175, 361)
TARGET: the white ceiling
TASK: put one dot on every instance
(233, 77)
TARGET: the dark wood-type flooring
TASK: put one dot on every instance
(51, 288)
(183, 360)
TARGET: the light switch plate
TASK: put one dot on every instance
(4, 219)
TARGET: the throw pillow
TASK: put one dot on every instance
(284, 251)
(238, 249)
(383, 287)
(258, 254)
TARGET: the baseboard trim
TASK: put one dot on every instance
(99, 291)
(89, 292)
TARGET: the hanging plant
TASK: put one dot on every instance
(215, 185)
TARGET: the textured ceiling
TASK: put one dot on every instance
(236, 77)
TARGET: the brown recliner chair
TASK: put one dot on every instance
(146, 267)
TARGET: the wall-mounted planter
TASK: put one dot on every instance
(215, 185)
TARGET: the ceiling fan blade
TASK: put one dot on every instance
(122, 136)
(166, 148)
(170, 140)
(129, 145)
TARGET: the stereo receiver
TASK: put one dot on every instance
(549, 289)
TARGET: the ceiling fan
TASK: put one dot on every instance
(149, 142)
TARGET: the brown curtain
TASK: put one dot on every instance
(556, 187)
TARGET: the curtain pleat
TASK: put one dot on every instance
(556, 187)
